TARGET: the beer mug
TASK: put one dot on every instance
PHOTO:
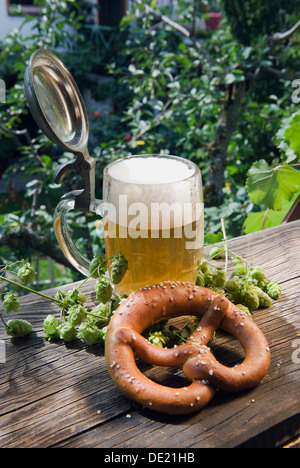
(152, 206)
(152, 211)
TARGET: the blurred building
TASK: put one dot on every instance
(105, 13)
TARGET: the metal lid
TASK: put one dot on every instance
(58, 109)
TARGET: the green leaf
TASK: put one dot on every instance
(211, 238)
(272, 187)
(269, 218)
(255, 221)
(295, 138)
(229, 78)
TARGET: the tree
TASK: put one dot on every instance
(216, 98)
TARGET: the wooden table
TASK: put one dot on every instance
(56, 395)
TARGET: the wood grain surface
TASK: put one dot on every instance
(57, 395)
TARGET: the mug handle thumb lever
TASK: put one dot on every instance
(84, 166)
(78, 200)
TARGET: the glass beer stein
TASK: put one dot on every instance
(152, 205)
(152, 211)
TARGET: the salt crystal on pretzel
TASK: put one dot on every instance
(147, 306)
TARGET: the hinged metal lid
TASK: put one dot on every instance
(58, 109)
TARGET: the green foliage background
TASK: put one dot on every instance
(167, 93)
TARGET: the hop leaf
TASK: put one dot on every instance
(76, 296)
(26, 274)
(102, 334)
(103, 289)
(272, 186)
(119, 266)
(11, 303)
(180, 336)
(18, 328)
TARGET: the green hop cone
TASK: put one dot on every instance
(217, 290)
(204, 265)
(97, 266)
(158, 339)
(219, 278)
(215, 277)
(273, 289)
(26, 274)
(264, 299)
(119, 266)
(69, 298)
(98, 315)
(65, 301)
(233, 284)
(76, 314)
(18, 328)
(236, 260)
(244, 309)
(88, 333)
(257, 273)
(101, 310)
(235, 296)
(103, 289)
(76, 296)
(115, 302)
(51, 327)
(200, 280)
(250, 299)
(217, 252)
(67, 332)
(240, 269)
(11, 303)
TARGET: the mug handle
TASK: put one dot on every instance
(63, 236)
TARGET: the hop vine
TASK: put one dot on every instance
(248, 287)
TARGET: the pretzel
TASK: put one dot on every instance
(172, 299)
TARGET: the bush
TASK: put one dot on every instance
(216, 98)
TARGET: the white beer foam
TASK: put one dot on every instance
(150, 170)
(156, 191)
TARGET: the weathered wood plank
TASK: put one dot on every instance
(54, 395)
